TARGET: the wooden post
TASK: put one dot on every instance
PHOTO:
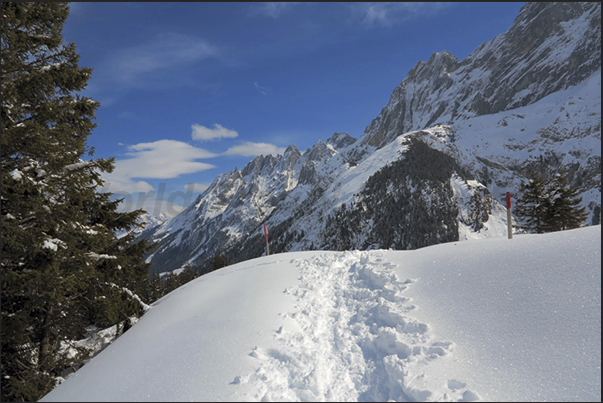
(266, 233)
(509, 218)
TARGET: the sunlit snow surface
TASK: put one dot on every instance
(491, 319)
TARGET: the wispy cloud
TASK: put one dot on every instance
(251, 149)
(374, 14)
(202, 133)
(131, 65)
(263, 90)
(117, 182)
(163, 159)
(272, 9)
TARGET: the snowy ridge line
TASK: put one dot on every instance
(350, 339)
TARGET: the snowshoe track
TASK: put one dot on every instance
(351, 338)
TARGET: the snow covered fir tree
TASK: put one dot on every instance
(62, 267)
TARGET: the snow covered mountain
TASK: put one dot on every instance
(148, 221)
(432, 167)
(549, 47)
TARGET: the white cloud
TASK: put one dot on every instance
(151, 204)
(390, 13)
(202, 133)
(163, 159)
(167, 51)
(117, 183)
(251, 149)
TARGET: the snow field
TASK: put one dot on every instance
(489, 319)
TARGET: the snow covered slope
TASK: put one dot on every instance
(490, 319)
(529, 100)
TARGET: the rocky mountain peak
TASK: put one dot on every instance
(259, 164)
(290, 157)
(538, 21)
(291, 150)
(439, 64)
(549, 47)
(319, 151)
(340, 140)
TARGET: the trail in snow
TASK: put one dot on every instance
(351, 338)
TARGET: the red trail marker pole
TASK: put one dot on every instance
(509, 219)
(266, 233)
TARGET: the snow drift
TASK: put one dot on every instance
(491, 319)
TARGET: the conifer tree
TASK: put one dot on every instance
(533, 204)
(549, 205)
(60, 252)
(218, 261)
(565, 210)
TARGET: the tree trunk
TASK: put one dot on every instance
(48, 343)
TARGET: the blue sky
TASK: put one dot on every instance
(191, 90)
